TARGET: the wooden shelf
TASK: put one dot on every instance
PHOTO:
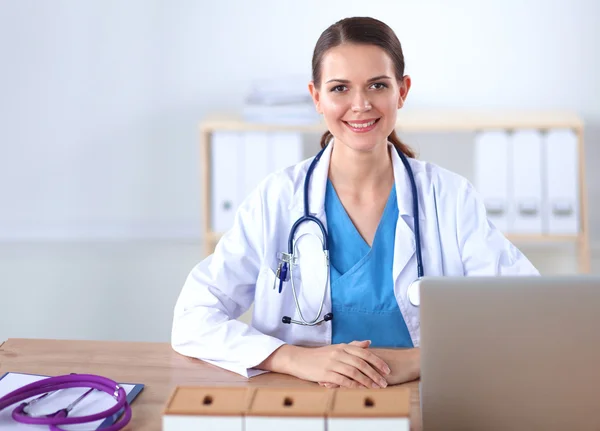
(541, 238)
(421, 121)
(214, 237)
(414, 120)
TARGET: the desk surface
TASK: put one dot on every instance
(155, 365)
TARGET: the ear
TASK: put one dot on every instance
(404, 88)
(315, 96)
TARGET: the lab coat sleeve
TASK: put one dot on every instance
(483, 248)
(219, 290)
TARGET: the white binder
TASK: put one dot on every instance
(525, 214)
(240, 161)
(561, 206)
(491, 175)
(256, 158)
(226, 179)
(286, 149)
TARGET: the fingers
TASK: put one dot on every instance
(328, 385)
(369, 357)
(354, 366)
(351, 367)
(362, 344)
(376, 379)
(340, 380)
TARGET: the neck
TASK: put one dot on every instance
(360, 171)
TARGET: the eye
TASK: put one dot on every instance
(379, 86)
(338, 88)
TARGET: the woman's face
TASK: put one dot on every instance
(359, 95)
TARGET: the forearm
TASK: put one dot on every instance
(279, 361)
(405, 364)
(347, 365)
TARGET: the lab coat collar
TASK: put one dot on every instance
(404, 245)
(318, 185)
(403, 187)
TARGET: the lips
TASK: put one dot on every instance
(362, 126)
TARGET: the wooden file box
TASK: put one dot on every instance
(281, 409)
(206, 408)
(370, 409)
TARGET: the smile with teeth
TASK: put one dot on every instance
(362, 125)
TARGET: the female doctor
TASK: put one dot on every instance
(346, 316)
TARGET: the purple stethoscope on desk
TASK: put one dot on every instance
(50, 385)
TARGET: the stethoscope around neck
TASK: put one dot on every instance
(288, 260)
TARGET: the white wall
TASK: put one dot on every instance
(100, 102)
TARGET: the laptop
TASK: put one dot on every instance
(510, 353)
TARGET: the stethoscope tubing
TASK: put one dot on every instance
(52, 384)
(307, 217)
(417, 224)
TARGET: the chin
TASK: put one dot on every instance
(363, 143)
(364, 139)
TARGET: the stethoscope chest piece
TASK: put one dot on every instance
(413, 294)
(46, 387)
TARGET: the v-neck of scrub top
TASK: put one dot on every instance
(362, 287)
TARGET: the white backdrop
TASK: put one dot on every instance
(99, 108)
(100, 100)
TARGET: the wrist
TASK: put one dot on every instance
(416, 363)
(412, 366)
(404, 363)
(281, 360)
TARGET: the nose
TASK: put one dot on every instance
(360, 103)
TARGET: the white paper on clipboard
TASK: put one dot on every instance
(95, 402)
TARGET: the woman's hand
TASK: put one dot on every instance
(362, 344)
(346, 365)
(404, 363)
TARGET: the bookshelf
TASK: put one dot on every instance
(426, 121)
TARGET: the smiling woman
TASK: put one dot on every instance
(359, 223)
(359, 83)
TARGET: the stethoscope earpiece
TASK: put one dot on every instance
(287, 320)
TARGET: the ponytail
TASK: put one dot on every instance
(403, 148)
(326, 138)
(393, 138)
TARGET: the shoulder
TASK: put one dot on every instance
(282, 185)
(430, 176)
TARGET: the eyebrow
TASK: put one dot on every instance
(345, 81)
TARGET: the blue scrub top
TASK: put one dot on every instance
(362, 288)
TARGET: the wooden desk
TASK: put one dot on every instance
(155, 365)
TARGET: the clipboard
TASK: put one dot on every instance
(93, 403)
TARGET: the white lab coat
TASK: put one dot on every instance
(456, 240)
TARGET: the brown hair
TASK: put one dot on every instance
(367, 31)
